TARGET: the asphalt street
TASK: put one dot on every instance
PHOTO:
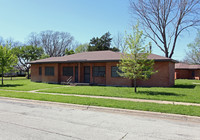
(30, 120)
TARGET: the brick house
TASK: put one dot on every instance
(98, 67)
(186, 71)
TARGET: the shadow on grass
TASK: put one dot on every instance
(159, 93)
(9, 85)
(184, 86)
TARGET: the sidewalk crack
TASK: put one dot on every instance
(123, 136)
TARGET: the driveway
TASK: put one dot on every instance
(24, 119)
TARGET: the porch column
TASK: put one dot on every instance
(79, 72)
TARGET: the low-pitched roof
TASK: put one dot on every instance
(186, 66)
(94, 56)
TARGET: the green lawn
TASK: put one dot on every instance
(23, 84)
(164, 108)
(13, 78)
(183, 91)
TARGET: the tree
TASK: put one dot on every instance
(54, 43)
(9, 41)
(26, 54)
(82, 48)
(193, 55)
(102, 43)
(164, 20)
(69, 52)
(119, 42)
(135, 64)
(7, 60)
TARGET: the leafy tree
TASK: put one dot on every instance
(193, 55)
(69, 52)
(102, 43)
(44, 56)
(26, 54)
(7, 60)
(164, 20)
(82, 48)
(135, 64)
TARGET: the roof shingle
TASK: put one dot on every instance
(94, 56)
(186, 66)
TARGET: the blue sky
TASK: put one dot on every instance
(84, 19)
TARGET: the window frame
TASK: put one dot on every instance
(115, 72)
(40, 71)
(48, 71)
(101, 73)
(67, 74)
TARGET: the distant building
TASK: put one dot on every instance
(186, 71)
(17, 71)
(98, 67)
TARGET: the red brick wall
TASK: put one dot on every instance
(197, 74)
(115, 81)
(171, 73)
(65, 78)
(42, 78)
(164, 76)
(187, 74)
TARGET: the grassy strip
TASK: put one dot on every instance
(174, 109)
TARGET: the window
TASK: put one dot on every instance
(99, 71)
(114, 71)
(67, 71)
(40, 70)
(193, 73)
(49, 71)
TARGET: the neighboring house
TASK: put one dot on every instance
(186, 71)
(98, 67)
(17, 71)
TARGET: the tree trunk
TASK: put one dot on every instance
(28, 74)
(135, 85)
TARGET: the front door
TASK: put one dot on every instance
(76, 74)
(193, 74)
(87, 74)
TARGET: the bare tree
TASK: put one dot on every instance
(119, 42)
(34, 40)
(164, 20)
(9, 41)
(54, 43)
(74, 45)
(193, 53)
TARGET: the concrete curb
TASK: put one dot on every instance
(112, 110)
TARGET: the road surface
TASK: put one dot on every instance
(22, 120)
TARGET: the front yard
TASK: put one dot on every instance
(183, 91)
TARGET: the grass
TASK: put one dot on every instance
(183, 91)
(174, 109)
(22, 84)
